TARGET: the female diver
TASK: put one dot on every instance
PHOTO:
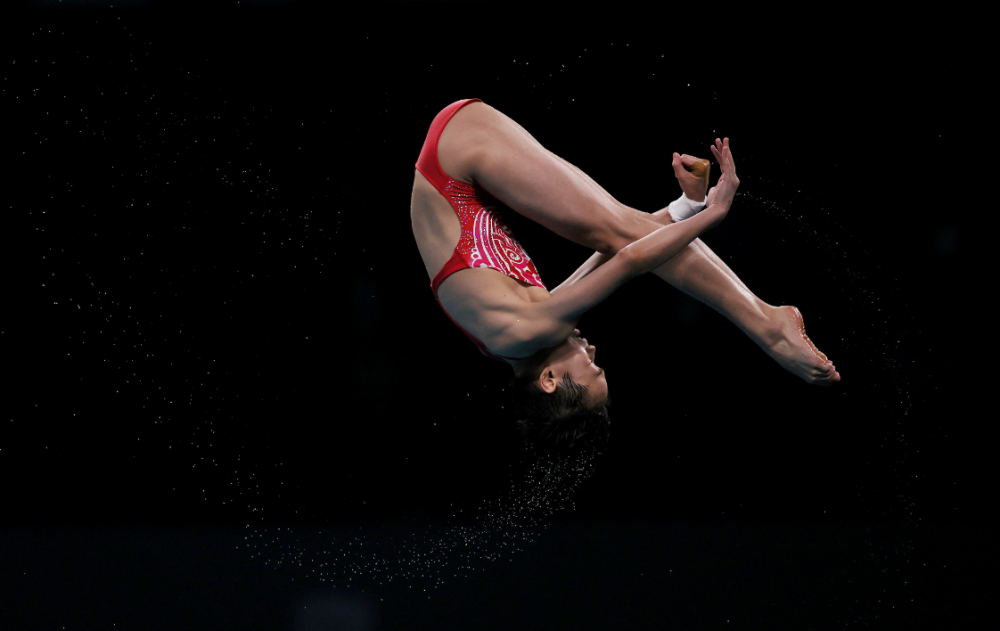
(474, 158)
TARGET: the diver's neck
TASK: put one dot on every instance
(516, 364)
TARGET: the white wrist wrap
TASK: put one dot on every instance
(682, 208)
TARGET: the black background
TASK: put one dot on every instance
(227, 372)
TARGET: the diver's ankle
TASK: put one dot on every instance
(772, 330)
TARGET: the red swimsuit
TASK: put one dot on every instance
(486, 240)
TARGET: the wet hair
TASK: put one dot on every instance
(563, 419)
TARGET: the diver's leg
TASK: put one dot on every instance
(707, 278)
(779, 331)
(500, 156)
(505, 160)
(700, 273)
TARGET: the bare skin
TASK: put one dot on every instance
(577, 357)
(700, 273)
(482, 146)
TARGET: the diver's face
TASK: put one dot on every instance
(576, 357)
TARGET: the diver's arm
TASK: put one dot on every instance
(550, 321)
(663, 216)
(598, 259)
(659, 246)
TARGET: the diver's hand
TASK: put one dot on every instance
(692, 175)
(724, 191)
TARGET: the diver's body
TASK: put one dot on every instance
(512, 315)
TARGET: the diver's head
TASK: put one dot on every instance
(561, 395)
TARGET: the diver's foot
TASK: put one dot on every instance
(796, 353)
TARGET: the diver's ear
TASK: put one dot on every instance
(547, 380)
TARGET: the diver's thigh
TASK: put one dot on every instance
(516, 169)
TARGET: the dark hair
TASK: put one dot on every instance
(561, 419)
